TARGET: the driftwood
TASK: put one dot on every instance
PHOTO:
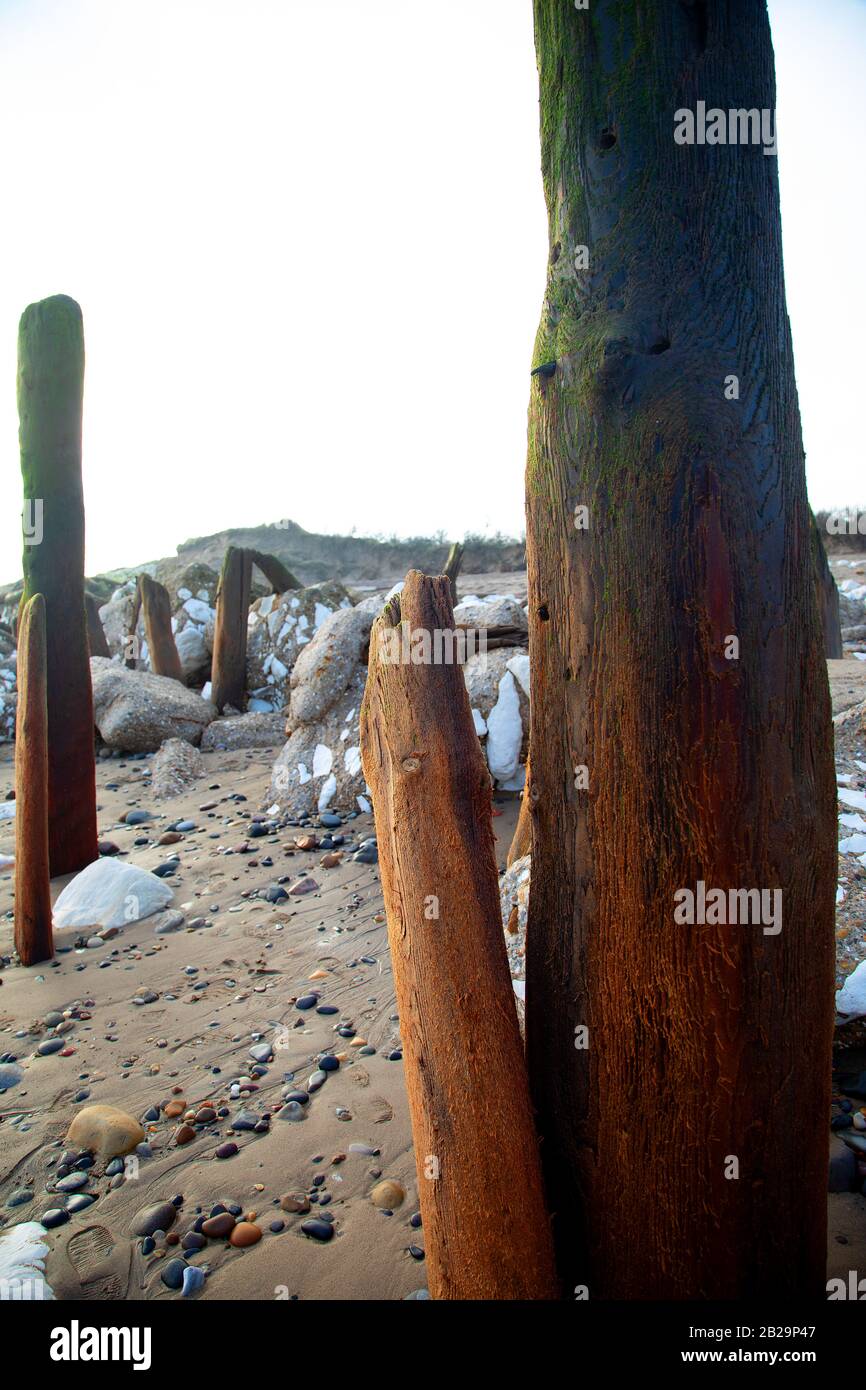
(33, 922)
(485, 1223)
(156, 611)
(230, 633)
(96, 639)
(499, 636)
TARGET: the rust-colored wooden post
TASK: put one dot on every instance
(522, 841)
(230, 632)
(156, 611)
(34, 939)
(485, 1221)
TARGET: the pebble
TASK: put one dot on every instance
(158, 1217)
(307, 1001)
(317, 1229)
(262, 1052)
(73, 1182)
(387, 1195)
(173, 1273)
(294, 1202)
(292, 1111)
(193, 1279)
(218, 1227)
(19, 1197)
(245, 1233)
(56, 1216)
(50, 1045)
(136, 817)
(227, 1150)
(301, 886)
(80, 1202)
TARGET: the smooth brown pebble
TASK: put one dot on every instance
(217, 1227)
(388, 1195)
(245, 1233)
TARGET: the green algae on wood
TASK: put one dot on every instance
(50, 397)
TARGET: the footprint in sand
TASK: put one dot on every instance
(101, 1266)
(380, 1110)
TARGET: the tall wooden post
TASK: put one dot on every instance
(486, 1228)
(229, 676)
(33, 920)
(50, 394)
(681, 735)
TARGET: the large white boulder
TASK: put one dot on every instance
(110, 894)
(320, 766)
(323, 670)
(136, 711)
(280, 626)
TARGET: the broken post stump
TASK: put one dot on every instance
(230, 631)
(34, 938)
(96, 638)
(50, 398)
(485, 1222)
(452, 569)
(275, 572)
(156, 611)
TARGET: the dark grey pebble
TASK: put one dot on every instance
(172, 1275)
(317, 1229)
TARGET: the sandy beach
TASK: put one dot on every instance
(221, 989)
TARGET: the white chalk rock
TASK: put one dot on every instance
(110, 894)
(22, 1263)
(851, 998)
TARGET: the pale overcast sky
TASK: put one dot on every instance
(309, 243)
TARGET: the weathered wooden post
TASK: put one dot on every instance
(230, 632)
(522, 840)
(96, 639)
(485, 1222)
(50, 393)
(275, 572)
(828, 594)
(34, 939)
(452, 569)
(156, 611)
